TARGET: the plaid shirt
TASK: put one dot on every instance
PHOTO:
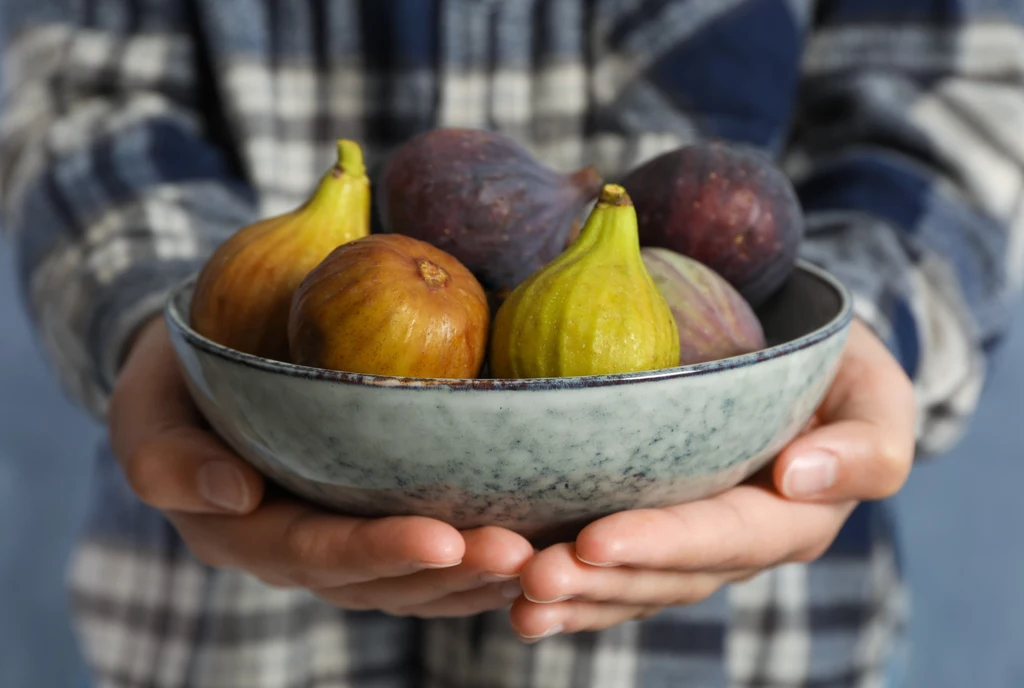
(136, 136)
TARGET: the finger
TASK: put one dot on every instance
(309, 548)
(464, 603)
(156, 433)
(747, 527)
(469, 603)
(556, 575)
(864, 446)
(536, 621)
(492, 555)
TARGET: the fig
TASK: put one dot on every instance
(727, 206)
(486, 200)
(389, 304)
(244, 291)
(593, 310)
(714, 320)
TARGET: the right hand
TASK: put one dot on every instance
(408, 566)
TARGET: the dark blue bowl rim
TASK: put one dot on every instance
(837, 324)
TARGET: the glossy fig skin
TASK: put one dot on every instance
(593, 310)
(714, 320)
(726, 205)
(243, 293)
(389, 304)
(483, 198)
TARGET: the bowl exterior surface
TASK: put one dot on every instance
(533, 460)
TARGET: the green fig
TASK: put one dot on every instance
(593, 310)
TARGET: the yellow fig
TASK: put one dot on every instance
(390, 304)
(243, 294)
(593, 310)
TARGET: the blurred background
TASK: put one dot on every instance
(960, 516)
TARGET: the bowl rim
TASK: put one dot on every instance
(836, 324)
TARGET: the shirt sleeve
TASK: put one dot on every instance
(112, 187)
(909, 161)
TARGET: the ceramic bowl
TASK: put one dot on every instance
(540, 456)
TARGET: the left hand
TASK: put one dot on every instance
(629, 565)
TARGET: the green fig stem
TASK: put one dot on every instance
(613, 194)
(612, 223)
(335, 184)
(350, 158)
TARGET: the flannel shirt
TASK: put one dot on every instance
(137, 135)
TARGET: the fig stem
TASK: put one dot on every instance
(432, 273)
(613, 194)
(350, 158)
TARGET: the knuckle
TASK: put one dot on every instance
(644, 613)
(745, 576)
(212, 556)
(146, 476)
(811, 553)
(741, 542)
(400, 611)
(275, 581)
(699, 589)
(306, 546)
(352, 600)
(894, 466)
(301, 578)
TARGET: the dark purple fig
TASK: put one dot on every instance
(726, 205)
(484, 199)
(713, 319)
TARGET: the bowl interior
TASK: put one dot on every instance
(809, 307)
(808, 302)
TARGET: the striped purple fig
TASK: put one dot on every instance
(713, 319)
(485, 199)
(728, 206)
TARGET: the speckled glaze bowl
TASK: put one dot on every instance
(541, 457)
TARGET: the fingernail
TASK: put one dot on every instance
(554, 630)
(222, 485)
(429, 565)
(810, 474)
(602, 564)
(563, 598)
(511, 590)
(488, 577)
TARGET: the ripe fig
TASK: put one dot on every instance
(726, 205)
(389, 304)
(592, 310)
(483, 198)
(714, 320)
(244, 291)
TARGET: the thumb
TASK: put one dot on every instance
(862, 446)
(171, 462)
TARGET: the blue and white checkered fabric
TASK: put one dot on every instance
(137, 135)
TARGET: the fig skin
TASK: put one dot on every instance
(243, 293)
(593, 310)
(389, 304)
(727, 206)
(483, 198)
(714, 320)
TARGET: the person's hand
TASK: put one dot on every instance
(400, 565)
(632, 564)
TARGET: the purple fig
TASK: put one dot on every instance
(714, 320)
(726, 205)
(486, 200)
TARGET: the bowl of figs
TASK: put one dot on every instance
(514, 346)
